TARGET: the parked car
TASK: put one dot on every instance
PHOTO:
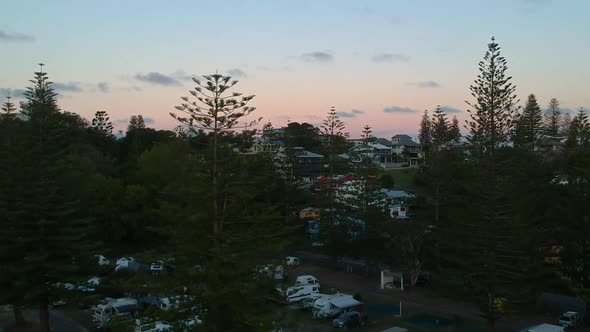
(307, 303)
(152, 327)
(292, 261)
(350, 319)
(569, 319)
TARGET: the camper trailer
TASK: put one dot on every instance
(117, 307)
(306, 280)
(335, 305)
(298, 292)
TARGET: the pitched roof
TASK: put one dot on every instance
(405, 140)
(383, 141)
(308, 154)
(379, 146)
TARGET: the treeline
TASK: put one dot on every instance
(69, 189)
(510, 203)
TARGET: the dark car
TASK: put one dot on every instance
(350, 319)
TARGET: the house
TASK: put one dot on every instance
(551, 144)
(376, 152)
(405, 148)
(398, 202)
(274, 134)
(307, 165)
(262, 144)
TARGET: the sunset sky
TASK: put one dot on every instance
(380, 63)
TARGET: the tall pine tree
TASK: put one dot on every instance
(529, 124)
(486, 235)
(53, 230)
(553, 119)
(333, 132)
(425, 135)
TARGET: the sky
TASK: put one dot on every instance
(379, 63)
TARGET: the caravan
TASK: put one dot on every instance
(115, 307)
(307, 280)
(298, 293)
(328, 307)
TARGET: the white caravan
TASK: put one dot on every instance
(335, 305)
(117, 307)
(298, 293)
(306, 280)
(102, 261)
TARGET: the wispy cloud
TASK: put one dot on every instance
(157, 78)
(67, 87)
(390, 57)
(120, 121)
(182, 75)
(428, 84)
(318, 56)
(278, 68)
(14, 93)
(351, 114)
(399, 109)
(449, 109)
(237, 73)
(15, 37)
(103, 87)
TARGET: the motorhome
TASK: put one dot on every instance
(335, 305)
(306, 280)
(298, 293)
(115, 307)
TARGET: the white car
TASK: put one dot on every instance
(292, 261)
(95, 281)
(569, 319)
(153, 327)
(156, 268)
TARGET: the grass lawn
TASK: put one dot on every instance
(403, 177)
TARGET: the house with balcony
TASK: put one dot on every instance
(406, 149)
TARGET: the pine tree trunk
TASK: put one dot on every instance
(19, 318)
(44, 315)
